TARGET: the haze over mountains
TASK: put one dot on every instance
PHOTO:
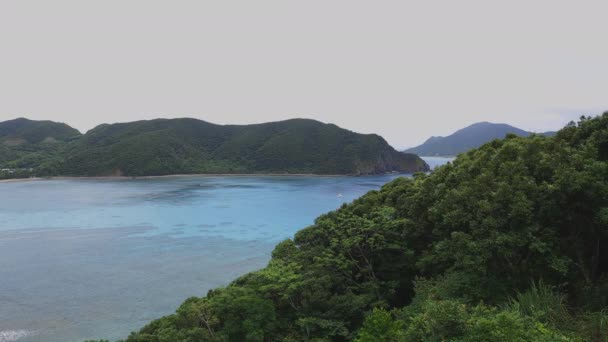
(176, 146)
(467, 138)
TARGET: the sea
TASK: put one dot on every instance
(91, 258)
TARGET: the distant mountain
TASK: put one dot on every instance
(467, 138)
(176, 146)
(24, 131)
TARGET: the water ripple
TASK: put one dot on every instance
(14, 335)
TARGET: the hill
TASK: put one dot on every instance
(24, 131)
(507, 243)
(26, 144)
(467, 138)
(188, 146)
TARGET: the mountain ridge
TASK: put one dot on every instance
(192, 146)
(467, 138)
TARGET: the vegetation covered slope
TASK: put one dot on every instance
(507, 243)
(467, 138)
(28, 144)
(160, 147)
(163, 146)
(24, 131)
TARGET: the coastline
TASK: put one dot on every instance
(12, 180)
(191, 175)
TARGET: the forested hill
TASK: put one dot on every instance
(507, 243)
(187, 146)
(24, 131)
(26, 144)
(467, 138)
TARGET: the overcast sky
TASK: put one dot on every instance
(403, 69)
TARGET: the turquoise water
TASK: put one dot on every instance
(240, 208)
(99, 258)
(83, 259)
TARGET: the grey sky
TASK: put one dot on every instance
(403, 69)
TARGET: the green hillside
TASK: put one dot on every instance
(189, 146)
(507, 243)
(173, 146)
(24, 131)
(26, 144)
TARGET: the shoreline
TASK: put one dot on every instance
(12, 180)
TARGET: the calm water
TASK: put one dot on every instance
(89, 258)
(97, 259)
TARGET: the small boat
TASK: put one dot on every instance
(339, 195)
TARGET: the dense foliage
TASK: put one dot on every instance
(14, 132)
(26, 144)
(507, 243)
(466, 139)
(162, 147)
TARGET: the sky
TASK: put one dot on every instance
(406, 70)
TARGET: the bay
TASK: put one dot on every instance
(99, 258)
(84, 259)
